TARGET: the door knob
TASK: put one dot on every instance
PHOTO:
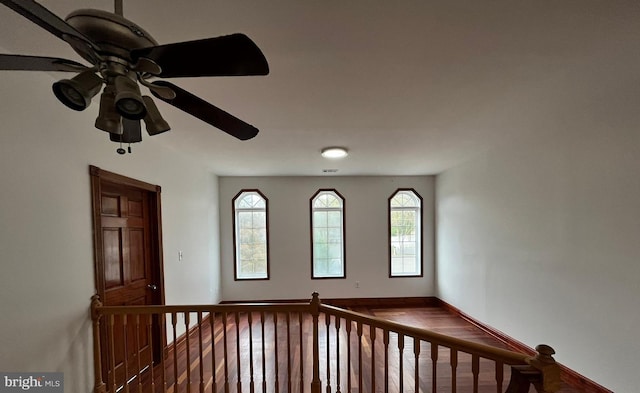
(153, 287)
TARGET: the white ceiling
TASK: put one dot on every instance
(409, 87)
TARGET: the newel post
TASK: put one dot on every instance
(546, 364)
(542, 371)
(100, 386)
(316, 385)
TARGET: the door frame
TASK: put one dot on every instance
(99, 176)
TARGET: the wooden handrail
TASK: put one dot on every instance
(217, 308)
(541, 370)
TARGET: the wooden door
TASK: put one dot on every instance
(128, 270)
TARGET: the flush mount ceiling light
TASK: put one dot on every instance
(334, 152)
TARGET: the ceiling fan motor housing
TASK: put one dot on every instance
(113, 34)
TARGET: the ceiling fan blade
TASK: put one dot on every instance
(231, 55)
(208, 113)
(49, 21)
(38, 63)
(131, 132)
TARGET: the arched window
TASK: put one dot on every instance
(405, 234)
(250, 235)
(327, 235)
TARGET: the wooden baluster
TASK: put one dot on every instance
(475, 370)
(137, 344)
(359, 332)
(214, 386)
(385, 340)
(348, 324)
(314, 310)
(499, 375)
(276, 383)
(454, 367)
(113, 352)
(416, 354)
(327, 319)
(187, 322)
(125, 352)
(264, 360)
(174, 324)
(237, 320)
(434, 367)
(149, 333)
(226, 353)
(250, 322)
(162, 326)
(372, 335)
(401, 362)
(289, 352)
(337, 324)
(301, 352)
(200, 355)
(100, 386)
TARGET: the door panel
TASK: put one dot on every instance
(137, 268)
(110, 205)
(135, 209)
(112, 246)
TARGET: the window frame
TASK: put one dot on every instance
(235, 235)
(419, 237)
(343, 221)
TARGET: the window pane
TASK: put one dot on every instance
(404, 229)
(320, 219)
(334, 235)
(320, 248)
(251, 248)
(327, 226)
(334, 251)
(321, 267)
(335, 267)
(320, 236)
(334, 219)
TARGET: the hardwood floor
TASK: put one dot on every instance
(272, 370)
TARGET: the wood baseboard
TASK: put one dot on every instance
(569, 376)
(376, 302)
(383, 302)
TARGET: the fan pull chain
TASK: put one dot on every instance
(121, 150)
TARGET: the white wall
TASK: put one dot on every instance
(366, 227)
(540, 238)
(47, 268)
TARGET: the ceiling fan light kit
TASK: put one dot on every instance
(77, 92)
(124, 56)
(108, 119)
(128, 99)
(153, 120)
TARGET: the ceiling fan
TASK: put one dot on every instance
(124, 56)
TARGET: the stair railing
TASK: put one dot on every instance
(296, 347)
